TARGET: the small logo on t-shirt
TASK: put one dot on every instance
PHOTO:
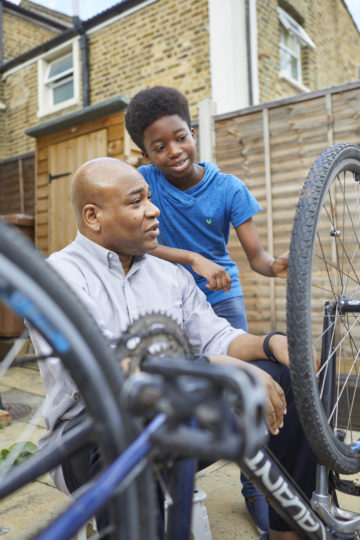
(208, 221)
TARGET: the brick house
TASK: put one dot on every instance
(65, 83)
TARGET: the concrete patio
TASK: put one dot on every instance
(33, 506)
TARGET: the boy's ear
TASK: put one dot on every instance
(145, 156)
(91, 217)
(193, 133)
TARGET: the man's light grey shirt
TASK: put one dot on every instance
(115, 300)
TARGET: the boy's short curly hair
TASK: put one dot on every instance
(149, 105)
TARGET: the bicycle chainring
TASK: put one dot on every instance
(152, 335)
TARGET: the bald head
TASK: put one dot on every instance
(93, 180)
(113, 207)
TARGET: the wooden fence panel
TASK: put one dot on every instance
(17, 185)
(271, 147)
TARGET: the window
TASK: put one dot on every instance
(292, 39)
(58, 74)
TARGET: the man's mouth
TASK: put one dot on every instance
(154, 228)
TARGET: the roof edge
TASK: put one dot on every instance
(87, 114)
(42, 48)
(32, 14)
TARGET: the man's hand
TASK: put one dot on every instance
(216, 275)
(280, 264)
(275, 397)
(275, 403)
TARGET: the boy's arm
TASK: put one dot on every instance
(216, 275)
(259, 260)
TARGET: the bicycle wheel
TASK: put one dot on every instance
(323, 304)
(34, 291)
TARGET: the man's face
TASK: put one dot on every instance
(127, 217)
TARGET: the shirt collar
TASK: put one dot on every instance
(105, 256)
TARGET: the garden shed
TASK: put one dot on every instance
(62, 145)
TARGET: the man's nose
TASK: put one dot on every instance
(151, 209)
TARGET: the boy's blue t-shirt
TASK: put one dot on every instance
(199, 218)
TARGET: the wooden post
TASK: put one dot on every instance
(269, 213)
(21, 186)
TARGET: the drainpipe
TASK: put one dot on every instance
(1, 33)
(248, 52)
(84, 50)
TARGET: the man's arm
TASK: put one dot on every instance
(248, 347)
(216, 275)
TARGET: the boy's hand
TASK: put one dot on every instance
(216, 275)
(280, 264)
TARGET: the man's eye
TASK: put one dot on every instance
(136, 201)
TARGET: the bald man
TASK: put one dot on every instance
(110, 268)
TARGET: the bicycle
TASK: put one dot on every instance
(339, 165)
(35, 292)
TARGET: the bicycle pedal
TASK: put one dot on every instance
(340, 434)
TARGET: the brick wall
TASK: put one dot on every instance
(20, 94)
(335, 60)
(21, 35)
(166, 43)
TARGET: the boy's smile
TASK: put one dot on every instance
(170, 146)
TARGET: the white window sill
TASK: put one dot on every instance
(296, 84)
(59, 107)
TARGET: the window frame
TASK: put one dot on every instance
(302, 39)
(46, 84)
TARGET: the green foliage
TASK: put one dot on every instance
(22, 450)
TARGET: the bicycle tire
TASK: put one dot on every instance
(87, 356)
(324, 255)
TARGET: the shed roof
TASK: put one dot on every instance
(82, 116)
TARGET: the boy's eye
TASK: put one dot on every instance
(159, 148)
(182, 137)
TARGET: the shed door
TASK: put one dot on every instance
(64, 158)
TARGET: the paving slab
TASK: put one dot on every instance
(34, 505)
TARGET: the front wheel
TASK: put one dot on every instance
(323, 307)
(32, 289)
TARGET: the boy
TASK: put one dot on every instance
(197, 204)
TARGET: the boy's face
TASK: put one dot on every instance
(170, 145)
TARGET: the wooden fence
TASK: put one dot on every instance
(271, 147)
(17, 185)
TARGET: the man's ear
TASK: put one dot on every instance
(146, 157)
(91, 217)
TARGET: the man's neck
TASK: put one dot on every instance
(126, 262)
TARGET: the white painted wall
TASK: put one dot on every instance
(228, 55)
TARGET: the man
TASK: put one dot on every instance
(110, 269)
